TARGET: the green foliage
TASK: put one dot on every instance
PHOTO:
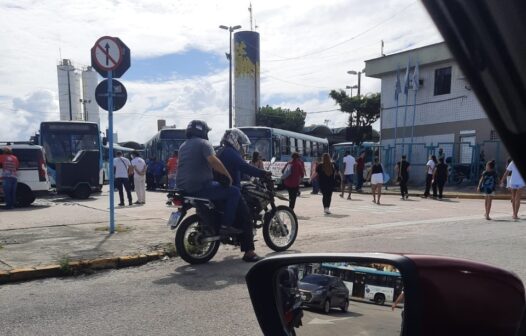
(64, 264)
(292, 120)
(363, 110)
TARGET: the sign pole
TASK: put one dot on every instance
(110, 152)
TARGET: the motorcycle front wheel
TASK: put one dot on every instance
(280, 228)
(189, 245)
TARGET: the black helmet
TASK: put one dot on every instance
(197, 128)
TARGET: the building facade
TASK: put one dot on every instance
(441, 111)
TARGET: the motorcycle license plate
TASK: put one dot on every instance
(174, 219)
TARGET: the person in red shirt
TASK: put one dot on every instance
(171, 168)
(292, 182)
(9, 164)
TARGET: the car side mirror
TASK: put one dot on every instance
(273, 160)
(387, 294)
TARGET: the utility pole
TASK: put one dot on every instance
(229, 57)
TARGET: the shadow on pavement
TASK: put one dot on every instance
(214, 275)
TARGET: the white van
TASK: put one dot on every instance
(33, 180)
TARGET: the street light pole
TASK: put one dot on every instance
(229, 57)
(359, 73)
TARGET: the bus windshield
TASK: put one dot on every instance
(63, 146)
(169, 147)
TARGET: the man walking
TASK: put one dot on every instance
(348, 173)
(360, 166)
(9, 164)
(402, 171)
(139, 179)
(121, 169)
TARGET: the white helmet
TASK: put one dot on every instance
(235, 138)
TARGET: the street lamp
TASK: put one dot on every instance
(229, 57)
(359, 73)
(351, 87)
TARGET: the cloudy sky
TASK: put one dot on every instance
(179, 71)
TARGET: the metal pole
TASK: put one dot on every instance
(230, 82)
(110, 152)
(414, 117)
(69, 94)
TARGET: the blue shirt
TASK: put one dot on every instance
(235, 165)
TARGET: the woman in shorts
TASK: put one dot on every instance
(487, 185)
(376, 175)
(516, 186)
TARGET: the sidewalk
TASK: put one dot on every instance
(61, 237)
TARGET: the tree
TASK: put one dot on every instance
(292, 120)
(363, 110)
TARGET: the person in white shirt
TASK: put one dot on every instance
(348, 173)
(120, 168)
(139, 177)
(516, 186)
(430, 169)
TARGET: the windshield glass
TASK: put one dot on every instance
(169, 147)
(262, 146)
(316, 280)
(62, 147)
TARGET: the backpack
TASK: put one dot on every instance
(488, 183)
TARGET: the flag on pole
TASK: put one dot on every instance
(398, 85)
(406, 79)
(415, 78)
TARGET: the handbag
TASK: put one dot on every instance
(287, 172)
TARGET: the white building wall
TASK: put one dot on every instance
(459, 105)
(66, 91)
(89, 84)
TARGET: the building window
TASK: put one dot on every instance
(442, 81)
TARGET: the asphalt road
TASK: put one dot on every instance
(173, 298)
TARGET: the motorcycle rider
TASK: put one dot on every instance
(194, 174)
(231, 155)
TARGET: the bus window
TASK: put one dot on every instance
(285, 148)
(276, 150)
(292, 145)
(300, 146)
(308, 151)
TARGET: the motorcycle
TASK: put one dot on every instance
(197, 238)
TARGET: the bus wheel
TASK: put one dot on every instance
(24, 196)
(82, 191)
(379, 299)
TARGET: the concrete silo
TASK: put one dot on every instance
(90, 109)
(246, 78)
(69, 91)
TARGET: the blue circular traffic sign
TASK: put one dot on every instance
(119, 94)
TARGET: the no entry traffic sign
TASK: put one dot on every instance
(120, 95)
(110, 54)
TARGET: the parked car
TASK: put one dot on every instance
(324, 292)
(33, 180)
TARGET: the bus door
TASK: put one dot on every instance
(358, 289)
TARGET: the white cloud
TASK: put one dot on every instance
(331, 36)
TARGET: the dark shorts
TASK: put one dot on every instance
(349, 178)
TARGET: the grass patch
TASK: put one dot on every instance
(169, 249)
(1, 246)
(119, 228)
(63, 262)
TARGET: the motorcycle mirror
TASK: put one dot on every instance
(272, 160)
(441, 296)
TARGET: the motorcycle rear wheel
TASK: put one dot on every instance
(274, 237)
(188, 245)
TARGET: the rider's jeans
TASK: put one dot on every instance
(216, 192)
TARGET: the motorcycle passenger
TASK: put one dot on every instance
(231, 155)
(194, 174)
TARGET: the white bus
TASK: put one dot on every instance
(368, 283)
(280, 144)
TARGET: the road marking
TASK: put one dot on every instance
(330, 321)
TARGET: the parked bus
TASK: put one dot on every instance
(367, 282)
(73, 156)
(162, 145)
(280, 144)
(105, 155)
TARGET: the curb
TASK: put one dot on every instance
(78, 267)
(453, 195)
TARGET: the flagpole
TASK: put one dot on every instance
(397, 94)
(415, 87)
(406, 92)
